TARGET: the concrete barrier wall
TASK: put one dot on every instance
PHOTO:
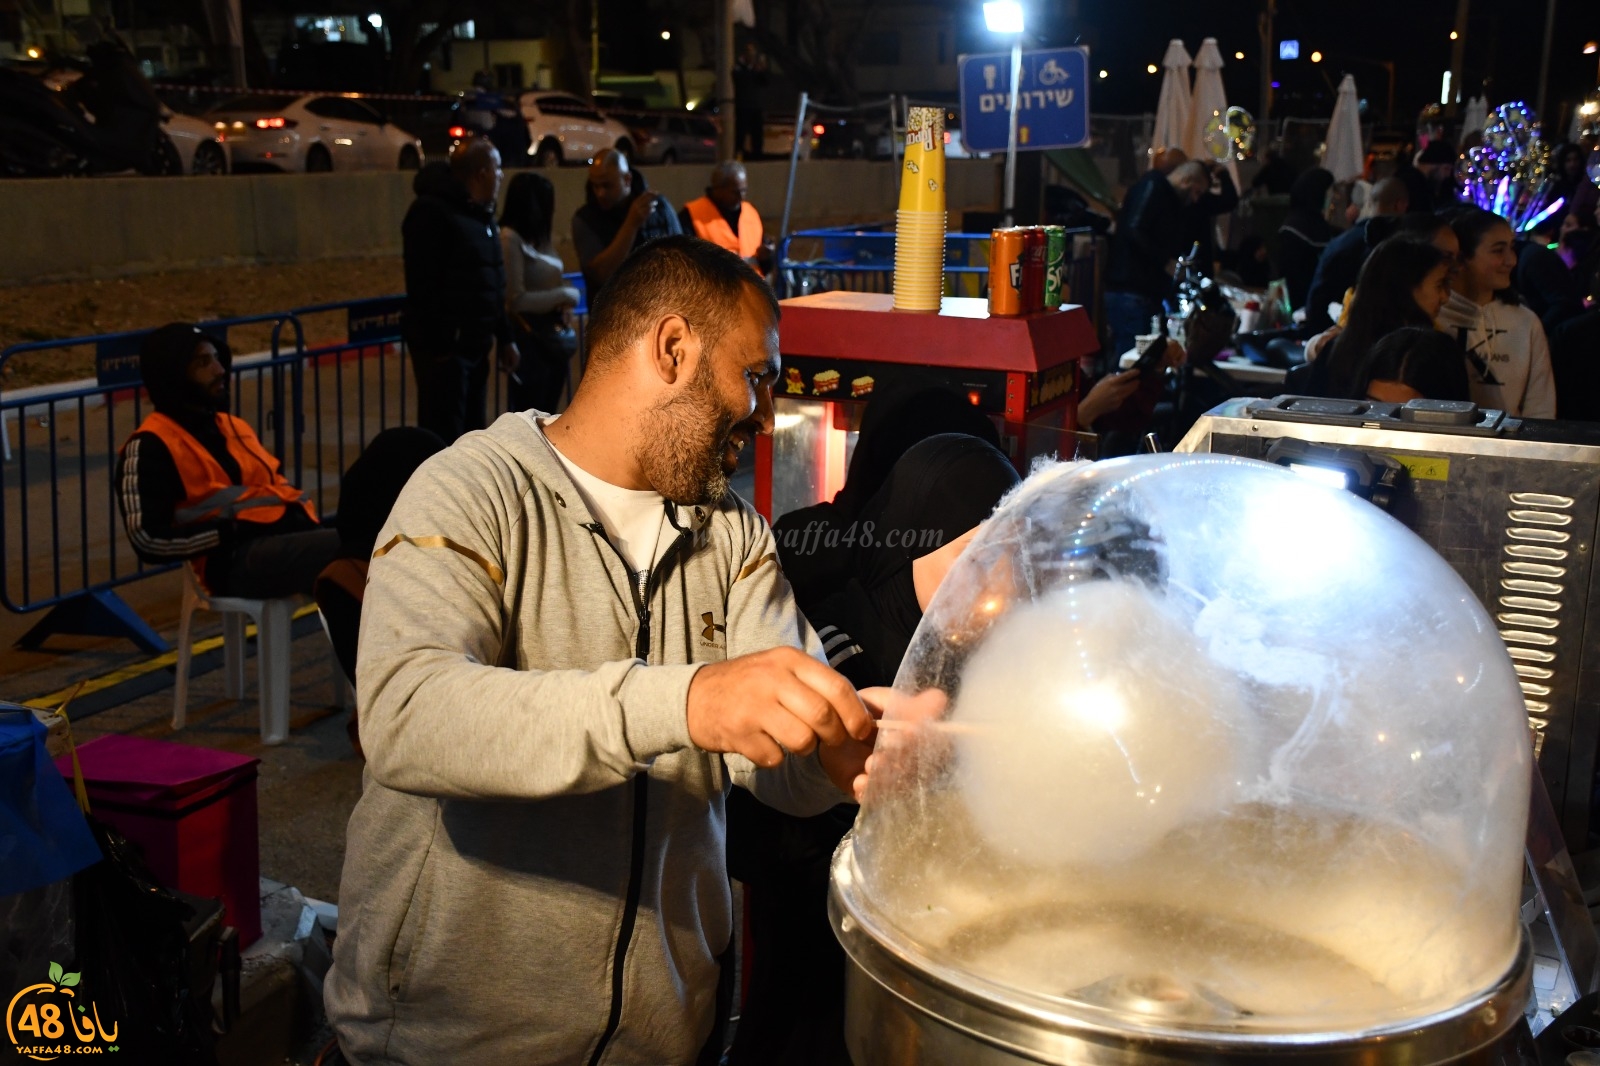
(109, 227)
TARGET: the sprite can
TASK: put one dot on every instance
(1055, 265)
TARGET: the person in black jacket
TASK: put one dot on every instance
(816, 542)
(455, 308)
(1149, 237)
(1304, 233)
(1220, 197)
(619, 215)
(922, 517)
(1340, 263)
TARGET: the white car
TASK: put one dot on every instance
(201, 147)
(565, 129)
(315, 132)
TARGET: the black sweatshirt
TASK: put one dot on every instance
(455, 273)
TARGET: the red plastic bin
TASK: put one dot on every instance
(192, 811)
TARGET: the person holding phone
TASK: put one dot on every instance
(619, 215)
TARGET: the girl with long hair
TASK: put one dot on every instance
(538, 299)
(1508, 358)
(1404, 282)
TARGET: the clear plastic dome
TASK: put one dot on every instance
(1200, 745)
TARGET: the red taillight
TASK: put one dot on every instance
(458, 132)
(818, 130)
(974, 397)
(276, 122)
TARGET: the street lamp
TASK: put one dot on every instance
(1005, 17)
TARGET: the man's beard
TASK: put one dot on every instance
(682, 440)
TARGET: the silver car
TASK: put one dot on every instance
(565, 129)
(201, 147)
(670, 137)
(315, 132)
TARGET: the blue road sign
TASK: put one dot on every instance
(1052, 100)
(1289, 49)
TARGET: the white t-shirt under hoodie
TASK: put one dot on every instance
(1508, 358)
(635, 519)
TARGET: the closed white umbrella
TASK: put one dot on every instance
(1343, 156)
(1476, 111)
(1210, 100)
(1206, 112)
(1172, 111)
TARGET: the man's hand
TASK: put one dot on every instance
(765, 704)
(641, 207)
(1108, 395)
(907, 714)
(508, 357)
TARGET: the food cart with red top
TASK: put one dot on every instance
(838, 347)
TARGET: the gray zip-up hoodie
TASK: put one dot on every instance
(535, 872)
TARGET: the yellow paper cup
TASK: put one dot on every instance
(922, 172)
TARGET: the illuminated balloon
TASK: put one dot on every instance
(1242, 131)
(1218, 144)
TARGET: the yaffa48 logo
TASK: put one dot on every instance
(49, 1019)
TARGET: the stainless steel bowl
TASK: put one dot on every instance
(899, 1013)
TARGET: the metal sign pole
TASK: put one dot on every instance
(800, 127)
(1011, 143)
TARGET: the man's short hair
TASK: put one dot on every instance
(471, 157)
(1191, 171)
(1390, 196)
(677, 275)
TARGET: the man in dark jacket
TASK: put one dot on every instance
(1149, 237)
(1340, 263)
(455, 307)
(619, 214)
(194, 483)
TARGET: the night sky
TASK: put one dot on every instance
(1503, 45)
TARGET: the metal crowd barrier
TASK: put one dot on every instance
(315, 407)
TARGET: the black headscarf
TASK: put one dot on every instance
(908, 409)
(164, 357)
(940, 489)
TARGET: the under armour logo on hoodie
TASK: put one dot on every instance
(709, 633)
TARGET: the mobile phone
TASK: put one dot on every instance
(1151, 351)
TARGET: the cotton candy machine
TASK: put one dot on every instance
(1207, 761)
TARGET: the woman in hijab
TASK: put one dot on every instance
(1304, 233)
(912, 407)
(909, 535)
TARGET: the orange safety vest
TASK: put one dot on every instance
(709, 225)
(209, 493)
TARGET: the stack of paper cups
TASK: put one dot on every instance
(919, 225)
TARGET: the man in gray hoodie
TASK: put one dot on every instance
(575, 640)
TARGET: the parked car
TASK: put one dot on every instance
(201, 147)
(91, 115)
(852, 138)
(314, 132)
(670, 136)
(564, 129)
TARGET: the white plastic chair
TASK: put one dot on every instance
(273, 640)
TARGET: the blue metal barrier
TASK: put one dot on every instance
(861, 259)
(62, 545)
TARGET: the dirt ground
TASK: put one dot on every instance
(79, 308)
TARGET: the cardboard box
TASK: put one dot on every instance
(191, 810)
